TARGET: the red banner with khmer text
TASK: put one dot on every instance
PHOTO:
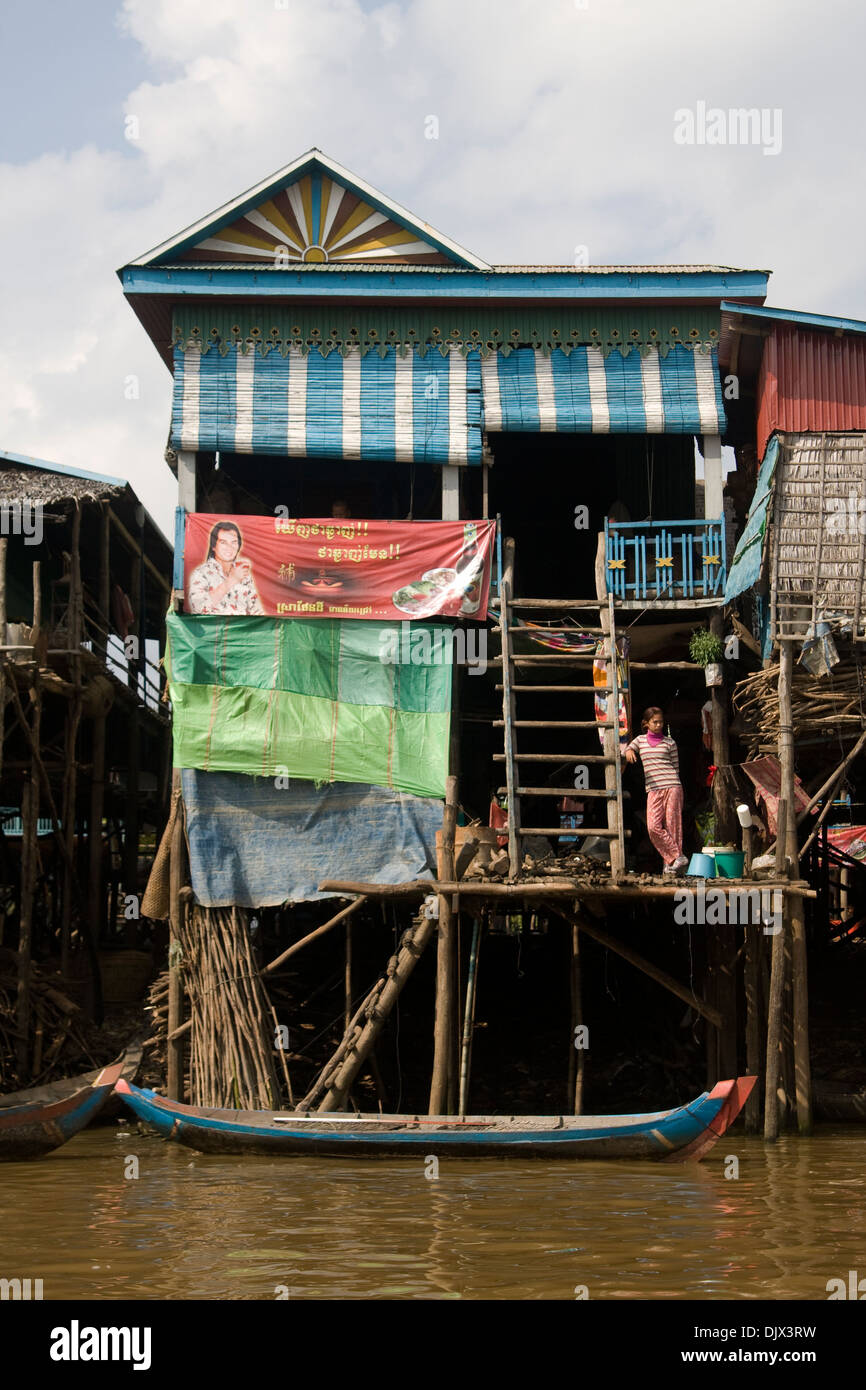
(337, 567)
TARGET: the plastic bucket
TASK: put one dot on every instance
(729, 863)
(701, 866)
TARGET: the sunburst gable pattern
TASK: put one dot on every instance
(315, 220)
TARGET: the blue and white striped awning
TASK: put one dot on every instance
(586, 392)
(378, 407)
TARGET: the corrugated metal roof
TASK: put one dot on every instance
(795, 317)
(811, 381)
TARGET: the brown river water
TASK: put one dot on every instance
(192, 1226)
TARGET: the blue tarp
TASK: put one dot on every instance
(746, 564)
(256, 845)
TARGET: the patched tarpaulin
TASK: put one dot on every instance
(254, 845)
(326, 700)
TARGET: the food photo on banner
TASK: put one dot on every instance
(336, 567)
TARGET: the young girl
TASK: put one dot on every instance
(664, 806)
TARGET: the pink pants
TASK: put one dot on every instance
(664, 821)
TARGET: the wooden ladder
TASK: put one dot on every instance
(511, 725)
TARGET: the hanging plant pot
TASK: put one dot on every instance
(713, 673)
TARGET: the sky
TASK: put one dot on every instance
(561, 124)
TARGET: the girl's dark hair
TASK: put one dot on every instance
(222, 526)
(648, 714)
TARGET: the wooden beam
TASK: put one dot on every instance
(137, 549)
(296, 946)
(661, 977)
(568, 888)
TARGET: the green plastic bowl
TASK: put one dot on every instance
(729, 863)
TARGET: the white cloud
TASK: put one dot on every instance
(555, 130)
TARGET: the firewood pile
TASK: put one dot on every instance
(831, 704)
(62, 1040)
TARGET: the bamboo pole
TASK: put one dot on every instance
(640, 963)
(347, 982)
(610, 734)
(469, 1017)
(774, 1037)
(445, 1002)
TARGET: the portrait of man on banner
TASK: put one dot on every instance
(223, 583)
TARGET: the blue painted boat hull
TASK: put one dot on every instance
(688, 1131)
(36, 1126)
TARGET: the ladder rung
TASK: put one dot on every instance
(573, 658)
(563, 791)
(555, 758)
(580, 833)
(555, 724)
(561, 689)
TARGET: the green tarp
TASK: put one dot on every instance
(326, 701)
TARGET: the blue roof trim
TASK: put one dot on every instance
(795, 316)
(469, 284)
(28, 461)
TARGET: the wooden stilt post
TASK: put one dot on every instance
(753, 1022)
(445, 1000)
(774, 1029)
(577, 1055)
(29, 814)
(96, 896)
(174, 1077)
(796, 915)
(347, 989)
(73, 721)
(469, 1017)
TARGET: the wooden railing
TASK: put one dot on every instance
(668, 560)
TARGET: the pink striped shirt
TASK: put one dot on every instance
(661, 764)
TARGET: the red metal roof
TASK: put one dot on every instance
(811, 381)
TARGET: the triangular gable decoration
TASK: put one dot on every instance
(313, 212)
(316, 220)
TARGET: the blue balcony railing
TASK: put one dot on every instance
(672, 560)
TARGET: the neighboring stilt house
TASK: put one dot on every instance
(338, 364)
(85, 752)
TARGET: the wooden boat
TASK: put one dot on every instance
(35, 1121)
(689, 1131)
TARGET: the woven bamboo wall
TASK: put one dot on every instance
(818, 544)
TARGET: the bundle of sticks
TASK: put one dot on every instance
(233, 1034)
(820, 704)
